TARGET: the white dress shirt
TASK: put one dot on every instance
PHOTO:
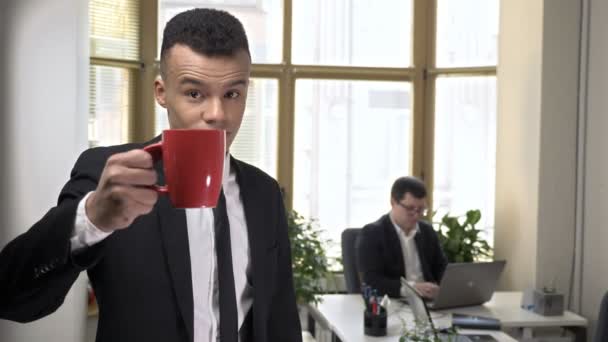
(203, 261)
(409, 251)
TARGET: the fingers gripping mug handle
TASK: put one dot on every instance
(156, 151)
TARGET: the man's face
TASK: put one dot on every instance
(204, 92)
(408, 210)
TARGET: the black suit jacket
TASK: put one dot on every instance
(141, 275)
(380, 258)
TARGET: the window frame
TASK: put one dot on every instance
(422, 75)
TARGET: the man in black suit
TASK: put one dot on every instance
(400, 245)
(160, 273)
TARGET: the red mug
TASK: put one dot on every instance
(193, 162)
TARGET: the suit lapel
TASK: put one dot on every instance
(174, 232)
(253, 215)
(253, 208)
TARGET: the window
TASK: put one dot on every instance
(115, 59)
(261, 18)
(352, 139)
(352, 33)
(465, 109)
(111, 104)
(345, 97)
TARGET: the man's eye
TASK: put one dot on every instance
(232, 94)
(194, 94)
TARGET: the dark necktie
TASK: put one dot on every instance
(228, 313)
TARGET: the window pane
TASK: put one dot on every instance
(111, 101)
(352, 33)
(256, 142)
(467, 33)
(352, 140)
(465, 147)
(262, 19)
(114, 28)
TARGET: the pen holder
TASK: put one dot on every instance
(548, 303)
(374, 325)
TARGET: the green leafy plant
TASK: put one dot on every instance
(460, 239)
(309, 261)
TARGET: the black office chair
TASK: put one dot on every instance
(349, 259)
(601, 332)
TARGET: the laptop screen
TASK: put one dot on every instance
(418, 306)
(423, 317)
(465, 284)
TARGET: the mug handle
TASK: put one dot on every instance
(156, 151)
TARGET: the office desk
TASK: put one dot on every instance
(341, 315)
(505, 306)
(340, 318)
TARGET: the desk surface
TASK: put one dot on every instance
(506, 307)
(343, 315)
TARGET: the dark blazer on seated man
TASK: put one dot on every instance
(382, 253)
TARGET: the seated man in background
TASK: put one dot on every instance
(398, 245)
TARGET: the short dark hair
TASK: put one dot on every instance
(409, 184)
(207, 31)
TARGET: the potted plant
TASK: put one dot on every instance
(460, 239)
(421, 332)
(309, 262)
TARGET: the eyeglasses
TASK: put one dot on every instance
(411, 209)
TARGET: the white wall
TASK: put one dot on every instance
(552, 134)
(44, 65)
(595, 234)
(558, 143)
(538, 74)
(518, 142)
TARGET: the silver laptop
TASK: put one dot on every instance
(466, 284)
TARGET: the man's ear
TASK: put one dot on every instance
(160, 91)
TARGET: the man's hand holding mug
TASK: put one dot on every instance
(193, 165)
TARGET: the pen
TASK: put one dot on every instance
(374, 305)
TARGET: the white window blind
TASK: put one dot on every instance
(114, 28)
(110, 105)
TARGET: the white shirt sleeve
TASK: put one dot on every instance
(403, 291)
(85, 233)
